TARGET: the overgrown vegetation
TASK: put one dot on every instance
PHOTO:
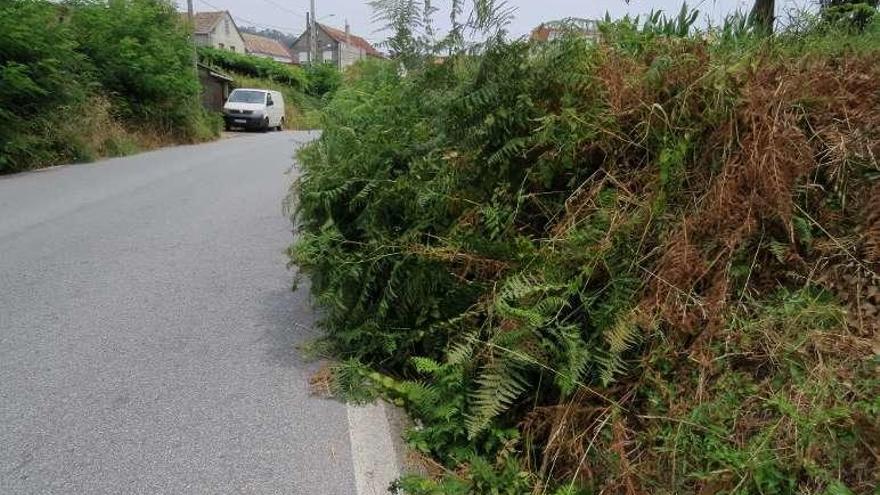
(645, 265)
(86, 78)
(259, 67)
(323, 80)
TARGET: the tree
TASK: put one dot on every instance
(763, 15)
(855, 14)
(412, 28)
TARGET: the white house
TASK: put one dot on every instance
(217, 30)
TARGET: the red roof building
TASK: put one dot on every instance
(335, 46)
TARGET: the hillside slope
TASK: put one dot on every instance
(647, 265)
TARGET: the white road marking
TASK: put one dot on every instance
(376, 462)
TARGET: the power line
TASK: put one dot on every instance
(286, 9)
(289, 29)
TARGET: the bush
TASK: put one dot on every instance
(43, 78)
(87, 78)
(324, 79)
(636, 266)
(144, 59)
(263, 68)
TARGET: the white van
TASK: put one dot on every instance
(261, 109)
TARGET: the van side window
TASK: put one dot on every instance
(269, 99)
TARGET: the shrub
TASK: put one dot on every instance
(143, 57)
(263, 68)
(323, 79)
(646, 265)
(87, 78)
(42, 78)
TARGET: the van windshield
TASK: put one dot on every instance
(239, 96)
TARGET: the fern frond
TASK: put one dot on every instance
(425, 365)
(462, 350)
(619, 338)
(500, 383)
(575, 358)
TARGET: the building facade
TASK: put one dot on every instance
(218, 30)
(335, 46)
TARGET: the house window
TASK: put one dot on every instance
(328, 56)
(303, 57)
(226, 26)
(232, 48)
(222, 46)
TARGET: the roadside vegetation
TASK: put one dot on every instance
(81, 79)
(643, 265)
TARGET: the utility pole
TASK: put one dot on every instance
(313, 34)
(191, 18)
(309, 31)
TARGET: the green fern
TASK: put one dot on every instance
(619, 338)
(499, 384)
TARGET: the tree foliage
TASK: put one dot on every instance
(413, 34)
(143, 57)
(41, 71)
(264, 68)
(323, 79)
(76, 73)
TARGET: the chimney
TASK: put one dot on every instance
(347, 32)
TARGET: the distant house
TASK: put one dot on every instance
(335, 46)
(261, 46)
(217, 30)
(548, 31)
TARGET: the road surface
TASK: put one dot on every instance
(148, 333)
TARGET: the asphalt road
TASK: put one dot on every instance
(148, 333)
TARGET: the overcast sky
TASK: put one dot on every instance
(289, 15)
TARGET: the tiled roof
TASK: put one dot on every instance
(205, 21)
(340, 36)
(264, 45)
